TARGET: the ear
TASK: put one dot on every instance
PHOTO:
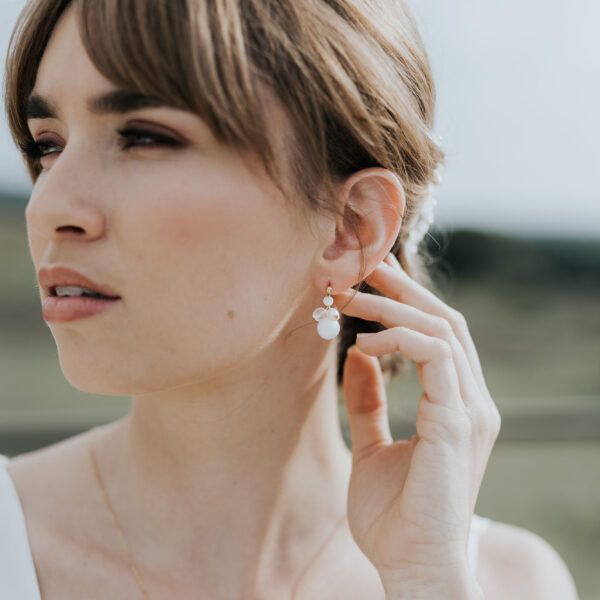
(374, 200)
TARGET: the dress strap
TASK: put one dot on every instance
(479, 526)
(18, 578)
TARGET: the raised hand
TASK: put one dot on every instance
(410, 502)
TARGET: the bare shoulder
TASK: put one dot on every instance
(519, 564)
(65, 520)
(53, 485)
(57, 471)
(50, 474)
(43, 469)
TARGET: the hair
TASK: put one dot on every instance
(356, 70)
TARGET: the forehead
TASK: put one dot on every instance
(65, 66)
(68, 78)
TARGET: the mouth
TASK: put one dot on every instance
(76, 291)
(64, 309)
(64, 282)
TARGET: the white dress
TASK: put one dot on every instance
(18, 579)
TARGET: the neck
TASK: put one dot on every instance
(245, 476)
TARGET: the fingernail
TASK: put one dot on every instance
(364, 335)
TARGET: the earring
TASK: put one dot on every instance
(327, 318)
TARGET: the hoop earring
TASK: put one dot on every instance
(327, 318)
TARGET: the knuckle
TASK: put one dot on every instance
(400, 345)
(487, 423)
(457, 317)
(441, 348)
(457, 320)
(496, 422)
(443, 328)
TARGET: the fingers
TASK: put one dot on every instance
(438, 373)
(399, 316)
(366, 403)
(390, 279)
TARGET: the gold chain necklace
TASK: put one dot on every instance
(114, 518)
(126, 547)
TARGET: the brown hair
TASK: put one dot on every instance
(355, 70)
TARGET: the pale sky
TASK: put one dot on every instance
(518, 98)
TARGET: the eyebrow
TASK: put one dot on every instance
(113, 102)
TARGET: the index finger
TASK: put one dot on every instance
(394, 282)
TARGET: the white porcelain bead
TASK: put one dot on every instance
(328, 301)
(332, 313)
(328, 329)
(319, 312)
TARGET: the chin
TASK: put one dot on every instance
(91, 376)
(92, 385)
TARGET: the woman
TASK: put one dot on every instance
(210, 173)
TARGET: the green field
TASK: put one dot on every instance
(533, 311)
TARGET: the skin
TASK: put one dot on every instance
(247, 399)
(230, 473)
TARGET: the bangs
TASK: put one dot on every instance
(186, 53)
(357, 92)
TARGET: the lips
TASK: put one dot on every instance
(50, 278)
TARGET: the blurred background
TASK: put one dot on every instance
(516, 248)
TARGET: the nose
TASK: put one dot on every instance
(65, 204)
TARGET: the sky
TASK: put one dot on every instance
(518, 97)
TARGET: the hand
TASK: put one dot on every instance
(410, 502)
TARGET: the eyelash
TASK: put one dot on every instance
(36, 150)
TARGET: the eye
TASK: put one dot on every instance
(139, 137)
(36, 150)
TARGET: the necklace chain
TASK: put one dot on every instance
(114, 518)
(126, 547)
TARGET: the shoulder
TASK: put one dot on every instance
(519, 564)
(57, 492)
(69, 535)
(46, 469)
(48, 481)
(59, 470)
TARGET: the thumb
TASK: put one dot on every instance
(366, 403)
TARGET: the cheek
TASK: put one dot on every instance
(205, 258)
(199, 231)
(204, 282)
(217, 229)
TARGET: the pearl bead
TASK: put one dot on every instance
(328, 301)
(328, 329)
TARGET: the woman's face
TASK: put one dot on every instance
(209, 259)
